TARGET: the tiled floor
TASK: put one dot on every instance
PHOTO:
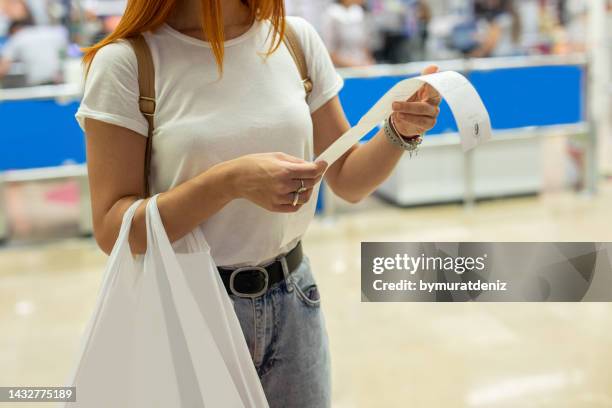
(384, 355)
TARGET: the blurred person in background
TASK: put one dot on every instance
(529, 15)
(389, 17)
(96, 19)
(15, 10)
(498, 28)
(571, 32)
(40, 11)
(346, 34)
(39, 48)
(12, 10)
(418, 29)
(310, 10)
(402, 29)
(36, 10)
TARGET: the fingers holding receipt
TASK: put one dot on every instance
(464, 102)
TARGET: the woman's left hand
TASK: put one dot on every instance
(418, 114)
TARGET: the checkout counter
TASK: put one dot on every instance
(528, 99)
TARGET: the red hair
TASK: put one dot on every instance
(147, 15)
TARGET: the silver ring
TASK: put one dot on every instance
(296, 198)
(302, 188)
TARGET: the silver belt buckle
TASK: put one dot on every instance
(237, 271)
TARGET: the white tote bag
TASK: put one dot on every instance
(164, 332)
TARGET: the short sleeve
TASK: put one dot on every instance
(326, 80)
(111, 89)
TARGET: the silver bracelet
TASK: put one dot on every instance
(394, 137)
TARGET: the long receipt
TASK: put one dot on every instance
(464, 102)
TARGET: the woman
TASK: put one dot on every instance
(234, 139)
(498, 28)
(40, 48)
(346, 34)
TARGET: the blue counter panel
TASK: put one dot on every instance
(534, 96)
(39, 133)
(514, 97)
(44, 133)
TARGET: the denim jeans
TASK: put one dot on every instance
(286, 335)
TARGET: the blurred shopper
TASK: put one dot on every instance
(310, 10)
(235, 135)
(40, 11)
(498, 28)
(402, 29)
(529, 16)
(40, 49)
(418, 29)
(389, 17)
(15, 10)
(571, 34)
(347, 34)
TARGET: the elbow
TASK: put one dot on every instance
(106, 230)
(352, 197)
(104, 243)
(104, 236)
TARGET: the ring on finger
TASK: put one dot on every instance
(302, 188)
(296, 198)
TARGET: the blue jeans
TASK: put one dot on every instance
(286, 335)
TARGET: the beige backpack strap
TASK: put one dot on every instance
(292, 42)
(146, 102)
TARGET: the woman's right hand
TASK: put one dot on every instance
(271, 179)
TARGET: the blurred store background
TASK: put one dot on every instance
(544, 71)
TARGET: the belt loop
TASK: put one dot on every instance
(286, 273)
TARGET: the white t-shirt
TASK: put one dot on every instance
(257, 106)
(310, 10)
(345, 31)
(40, 49)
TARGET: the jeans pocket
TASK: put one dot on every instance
(305, 286)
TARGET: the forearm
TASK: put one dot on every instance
(181, 208)
(341, 61)
(489, 43)
(365, 167)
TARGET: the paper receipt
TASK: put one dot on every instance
(464, 102)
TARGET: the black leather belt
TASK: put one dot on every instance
(254, 281)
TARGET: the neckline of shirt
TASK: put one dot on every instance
(201, 43)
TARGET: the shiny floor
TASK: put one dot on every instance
(384, 355)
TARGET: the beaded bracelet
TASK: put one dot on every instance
(409, 144)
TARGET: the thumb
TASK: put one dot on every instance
(430, 69)
(426, 90)
(290, 158)
(321, 165)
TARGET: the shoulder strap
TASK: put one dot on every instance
(146, 101)
(292, 42)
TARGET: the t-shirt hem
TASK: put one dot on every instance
(324, 97)
(117, 120)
